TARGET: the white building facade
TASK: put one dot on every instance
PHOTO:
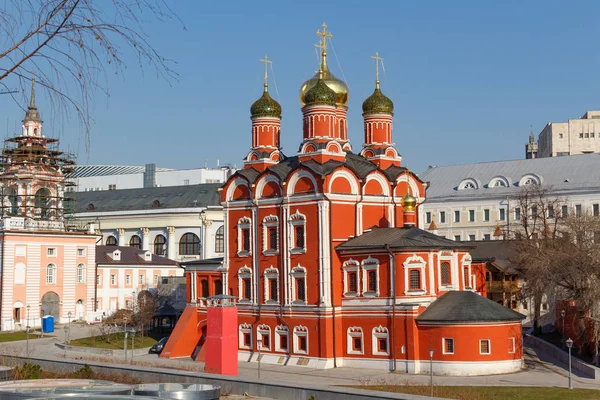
(469, 202)
(181, 223)
(576, 136)
(123, 273)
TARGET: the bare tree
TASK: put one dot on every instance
(145, 309)
(536, 234)
(70, 47)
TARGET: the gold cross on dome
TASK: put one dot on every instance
(324, 35)
(267, 62)
(377, 59)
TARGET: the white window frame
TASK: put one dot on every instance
(98, 279)
(51, 274)
(466, 263)
(512, 343)
(298, 272)
(351, 266)
(352, 333)
(245, 273)
(113, 279)
(281, 330)
(370, 264)
(449, 260)
(128, 304)
(20, 274)
(444, 345)
(141, 279)
(51, 251)
(296, 219)
(489, 347)
(127, 279)
(245, 328)
(380, 332)
(81, 273)
(262, 330)
(300, 331)
(271, 273)
(269, 222)
(244, 223)
(414, 262)
(81, 252)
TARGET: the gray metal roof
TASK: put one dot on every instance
(201, 195)
(399, 239)
(564, 174)
(467, 307)
(81, 171)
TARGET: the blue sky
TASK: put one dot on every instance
(468, 78)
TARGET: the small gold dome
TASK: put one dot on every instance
(337, 85)
(409, 202)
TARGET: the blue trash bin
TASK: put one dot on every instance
(48, 324)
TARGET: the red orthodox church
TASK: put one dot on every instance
(326, 261)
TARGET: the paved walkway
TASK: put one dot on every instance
(535, 373)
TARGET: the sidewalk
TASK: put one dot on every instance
(535, 373)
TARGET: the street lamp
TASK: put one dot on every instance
(66, 329)
(69, 335)
(259, 344)
(27, 333)
(431, 371)
(569, 345)
(562, 314)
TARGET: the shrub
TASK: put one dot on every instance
(84, 372)
(27, 371)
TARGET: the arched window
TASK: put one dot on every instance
(13, 200)
(155, 204)
(42, 203)
(111, 241)
(81, 273)
(445, 270)
(204, 287)
(189, 245)
(51, 274)
(220, 240)
(160, 245)
(135, 242)
(414, 280)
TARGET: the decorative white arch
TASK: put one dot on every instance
(344, 174)
(231, 189)
(296, 176)
(260, 186)
(377, 176)
(499, 181)
(531, 179)
(469, 183)
(412, 184)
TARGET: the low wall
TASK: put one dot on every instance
(103, 352)
(579, 368)
(229, 385)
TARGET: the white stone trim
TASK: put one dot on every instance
(296, 219)
(466, 263)
(271, 273)
(370, 264)
(355, 332)
(301, 331)
(231, 189)
(377, 176)
(299, 174)
(261, 331)
(380, 332)
(298, 272)
(244, 223)
(270, 221)
(351, 266)
(282, 330)
(245, 328)
(489, 347)
(414, 262)
(260, 186)
(345, 174)
(444, 345)
(245, 273)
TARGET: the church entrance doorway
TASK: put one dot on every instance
(50, 304)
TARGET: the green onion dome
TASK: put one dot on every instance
(378, 103)
(320, 94)
(265, 107)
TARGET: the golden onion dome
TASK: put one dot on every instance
(409, 202)
(337, 85)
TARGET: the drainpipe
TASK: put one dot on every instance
(2, 266)
(95, 268)
(507, 218)
(393, 286)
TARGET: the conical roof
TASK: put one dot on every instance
(32, 113)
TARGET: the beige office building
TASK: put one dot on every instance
(576, 136)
